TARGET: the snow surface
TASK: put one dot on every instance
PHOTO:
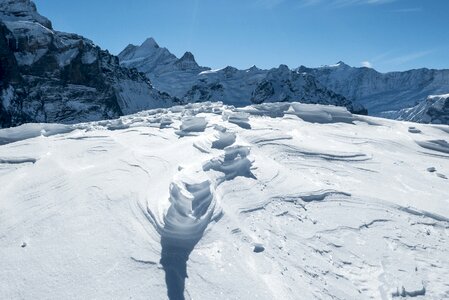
(273, 201)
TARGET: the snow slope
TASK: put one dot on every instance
(272, 201)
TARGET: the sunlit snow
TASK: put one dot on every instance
(206, 201)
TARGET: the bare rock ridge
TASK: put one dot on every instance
(51, 76)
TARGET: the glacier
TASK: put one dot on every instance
(203, 201)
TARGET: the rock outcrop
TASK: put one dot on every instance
(51, 76)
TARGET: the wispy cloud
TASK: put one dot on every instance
(269, 4)
(400, 60)
(361, 2)
(343, 3)
(408, 10)
(367, 64)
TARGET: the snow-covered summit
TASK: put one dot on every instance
(22, 10)
(340, 64)
(150, 58)
(150, 43)
(186, 80)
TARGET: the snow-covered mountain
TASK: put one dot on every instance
(51, 76)
(383, 94)
(186, 80)
(435, 110)
(206, 201)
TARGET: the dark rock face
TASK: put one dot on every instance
(187, 62)
(263, 91)
(23, 10)
(284, 85)
(50, 76)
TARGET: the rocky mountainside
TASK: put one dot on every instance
(383, 94)
(434, 110)
(51, 76)
(186, 80)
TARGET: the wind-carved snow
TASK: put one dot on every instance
(191, 125)
(301, 202)
(193, 202)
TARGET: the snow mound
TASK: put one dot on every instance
(435, 145)
(28, 131)
(301, 200)
(192, 124)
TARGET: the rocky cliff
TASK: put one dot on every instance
(51, 76)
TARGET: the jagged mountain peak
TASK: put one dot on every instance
(283, 68)
(150, 43)
(22, 10)
(187, 62)
(253, 68)
(340, 65)
(188, 56)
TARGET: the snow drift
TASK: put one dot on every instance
(273, 201)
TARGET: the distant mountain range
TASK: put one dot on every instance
(189, 82)
(382, 94)
(52, 76)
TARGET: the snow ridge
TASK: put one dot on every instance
(289, 199)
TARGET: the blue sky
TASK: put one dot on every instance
(388, 35)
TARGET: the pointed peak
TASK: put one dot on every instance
(188, 56)
(229, 69)
(284, 69)
(341, 64)
(150, 43)
(130, 46)
(187, 62)
(253, 68)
